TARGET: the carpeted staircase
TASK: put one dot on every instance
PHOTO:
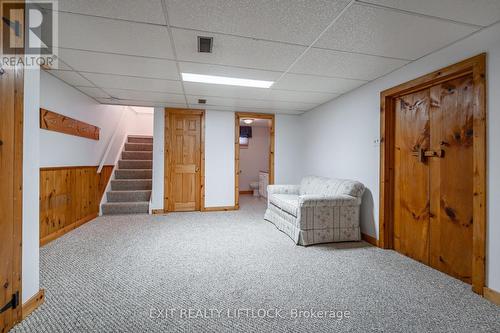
(131, 188)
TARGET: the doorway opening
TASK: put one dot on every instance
(433, 170)
(254, 154)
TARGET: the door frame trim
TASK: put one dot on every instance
(237, 118)
(477, 67)
(166, 161)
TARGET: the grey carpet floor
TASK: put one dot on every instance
(144, 273)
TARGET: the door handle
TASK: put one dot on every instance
(434, 153)
(423, 154)
(2, 71)
(419, 153)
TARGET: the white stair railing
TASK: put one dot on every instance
(111, 142)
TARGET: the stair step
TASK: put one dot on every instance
(133, 174)
(137, 155)
(131, 184)
(135, 164)
(119, 208)
(138, 147)
(128, 196)
(139, 139)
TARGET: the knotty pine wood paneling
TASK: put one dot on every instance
(69, 197)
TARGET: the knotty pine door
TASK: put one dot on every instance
(434, 176)
(184, 182)
(11, 160)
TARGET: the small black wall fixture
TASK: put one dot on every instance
(245, 131)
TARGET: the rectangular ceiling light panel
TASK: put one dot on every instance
(230, 81)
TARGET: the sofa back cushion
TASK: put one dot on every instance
(331, 187)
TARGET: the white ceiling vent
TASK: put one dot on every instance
(205, 44)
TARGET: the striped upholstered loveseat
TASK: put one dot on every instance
(319, 210)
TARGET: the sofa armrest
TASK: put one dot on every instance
(283, 189)
(313, 200)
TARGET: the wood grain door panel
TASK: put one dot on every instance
(184, 162)
(411, 211)
(11, 160)
(452, 178)
(433, 205)
(7, 189)
(457, 161)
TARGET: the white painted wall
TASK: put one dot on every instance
(255, 158)
(31, 181)
(158, 158)
(219, 156)
(340, 134)
(289, 149)
(58, 149)
(142, 124)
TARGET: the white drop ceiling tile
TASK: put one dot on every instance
(71, 78)
(250, 103)
(236, 51)
(113, 36)
(134, 83)
(317, 83)
(236, 72)
(389, 33)
(294, 21)
(86, 61)
(244, 109)
(62, 66)
(150, 11)
(345, 65)
(479, 12)
(127, 102)
(148, 96)
(93, 92)
(216, 90)
(302, 96)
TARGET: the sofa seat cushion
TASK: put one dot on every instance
(287, 202)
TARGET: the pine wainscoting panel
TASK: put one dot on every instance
(69, 197)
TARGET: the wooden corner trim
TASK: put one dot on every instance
(369, 239)
(33, 303)
(491, 295)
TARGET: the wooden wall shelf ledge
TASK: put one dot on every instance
(56, 122)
